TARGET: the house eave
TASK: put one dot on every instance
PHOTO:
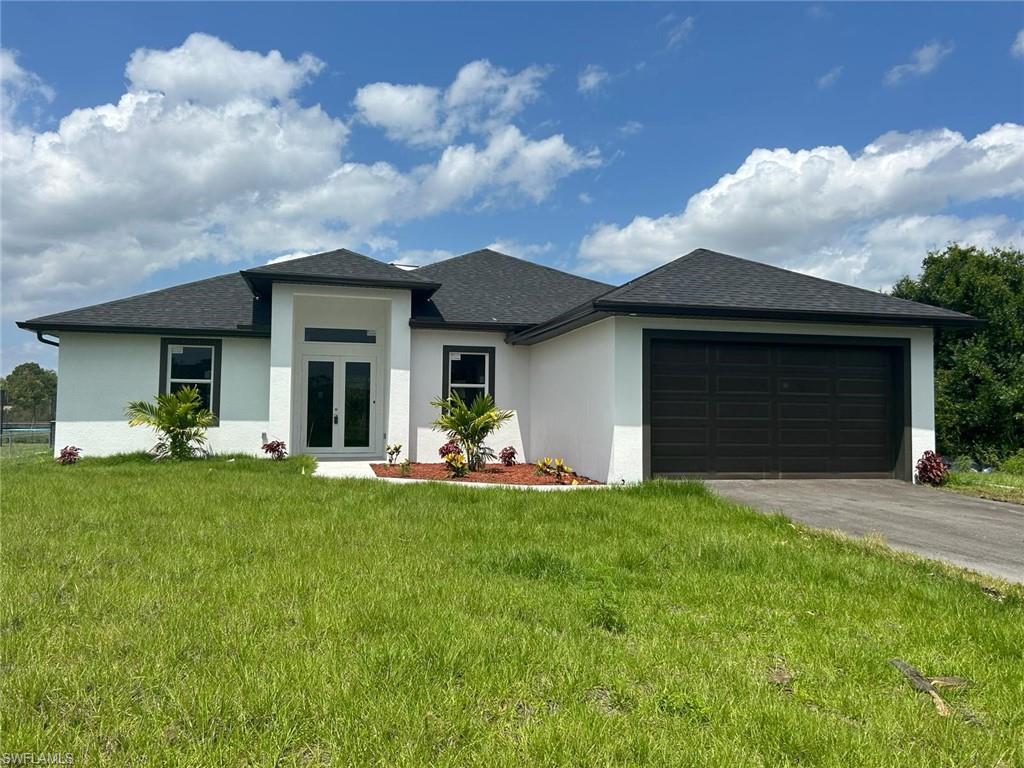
(259, 280)
(58, 328)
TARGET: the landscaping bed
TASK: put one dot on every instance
(516, 474)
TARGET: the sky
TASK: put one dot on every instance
(146, 145)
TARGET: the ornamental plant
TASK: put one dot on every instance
(507, 456)
(276, 449)
(179, 420)
(456, 464)
(448, 448)
(393, 450)
(931, 469)
(556, 468)
(470, 425)
(69, 454)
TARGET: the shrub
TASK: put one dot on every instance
(69, 454)
(405, 468)
(393, 450)
(448, 449)
(456, 464)
(1014, 465)
(555, 467)
(470, 425)
(508, 456)
(179, 419)
(276, 449)
(931, 469)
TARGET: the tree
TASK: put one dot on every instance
(979, 372)
(31, 390)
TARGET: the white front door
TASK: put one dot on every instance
(339, 408)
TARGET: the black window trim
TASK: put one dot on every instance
(445, 367)
(166, 342)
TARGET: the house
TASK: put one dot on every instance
(709, 365)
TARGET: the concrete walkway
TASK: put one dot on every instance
(985, 536)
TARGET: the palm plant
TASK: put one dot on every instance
(179, 419)
(470, 425)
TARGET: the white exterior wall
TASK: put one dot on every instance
(627, 451)
(511, 390)
(99, 373)
(572, 391)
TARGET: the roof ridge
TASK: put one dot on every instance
(545, 267)
(138, 295)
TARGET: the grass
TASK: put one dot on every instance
(1001, 486)
(245, 613)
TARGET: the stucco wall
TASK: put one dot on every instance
(511, 390)
(296, 307)
(627, 451)
(572, 398)
(99, 373)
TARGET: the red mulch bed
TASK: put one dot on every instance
(517, 474)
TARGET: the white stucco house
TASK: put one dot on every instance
(711, 365)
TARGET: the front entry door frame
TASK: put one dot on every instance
(338, 448)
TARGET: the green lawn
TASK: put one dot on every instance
(1001, 486)
(244, 613)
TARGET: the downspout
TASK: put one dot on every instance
(51, 342)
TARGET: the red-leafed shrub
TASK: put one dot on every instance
(276, 449)
(69, 454)
(931, 469)
(449, 449)
(508, 456)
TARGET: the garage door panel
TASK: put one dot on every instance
(734, 385)
(750, 409)
(771, 409)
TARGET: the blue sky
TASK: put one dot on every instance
(151, 144)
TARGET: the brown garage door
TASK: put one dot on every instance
(771, 410)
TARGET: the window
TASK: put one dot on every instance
(469, 371)
(341, 335)
(192, 363)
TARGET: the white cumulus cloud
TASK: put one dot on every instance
(1017, 49)
(206, 69)
(482, 98)
(209, 155)
(866, 217)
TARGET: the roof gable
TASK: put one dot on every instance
(486, 287)
(340, 267)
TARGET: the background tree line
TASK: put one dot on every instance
(979, 372)
(30, 393)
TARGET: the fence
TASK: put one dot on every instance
(24, 437)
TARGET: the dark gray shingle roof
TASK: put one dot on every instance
(340, 266)
(708, 279)
(223, 304)
(487, 287)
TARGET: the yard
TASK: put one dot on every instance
(244, 612)
(1001, 486)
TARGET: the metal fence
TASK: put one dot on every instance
(24, 437)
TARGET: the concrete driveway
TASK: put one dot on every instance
(985, 536)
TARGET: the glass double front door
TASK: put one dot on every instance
(340, 408)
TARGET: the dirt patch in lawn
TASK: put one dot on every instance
(517, 474)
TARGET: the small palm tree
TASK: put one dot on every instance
(178, 418)
(470, 425)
